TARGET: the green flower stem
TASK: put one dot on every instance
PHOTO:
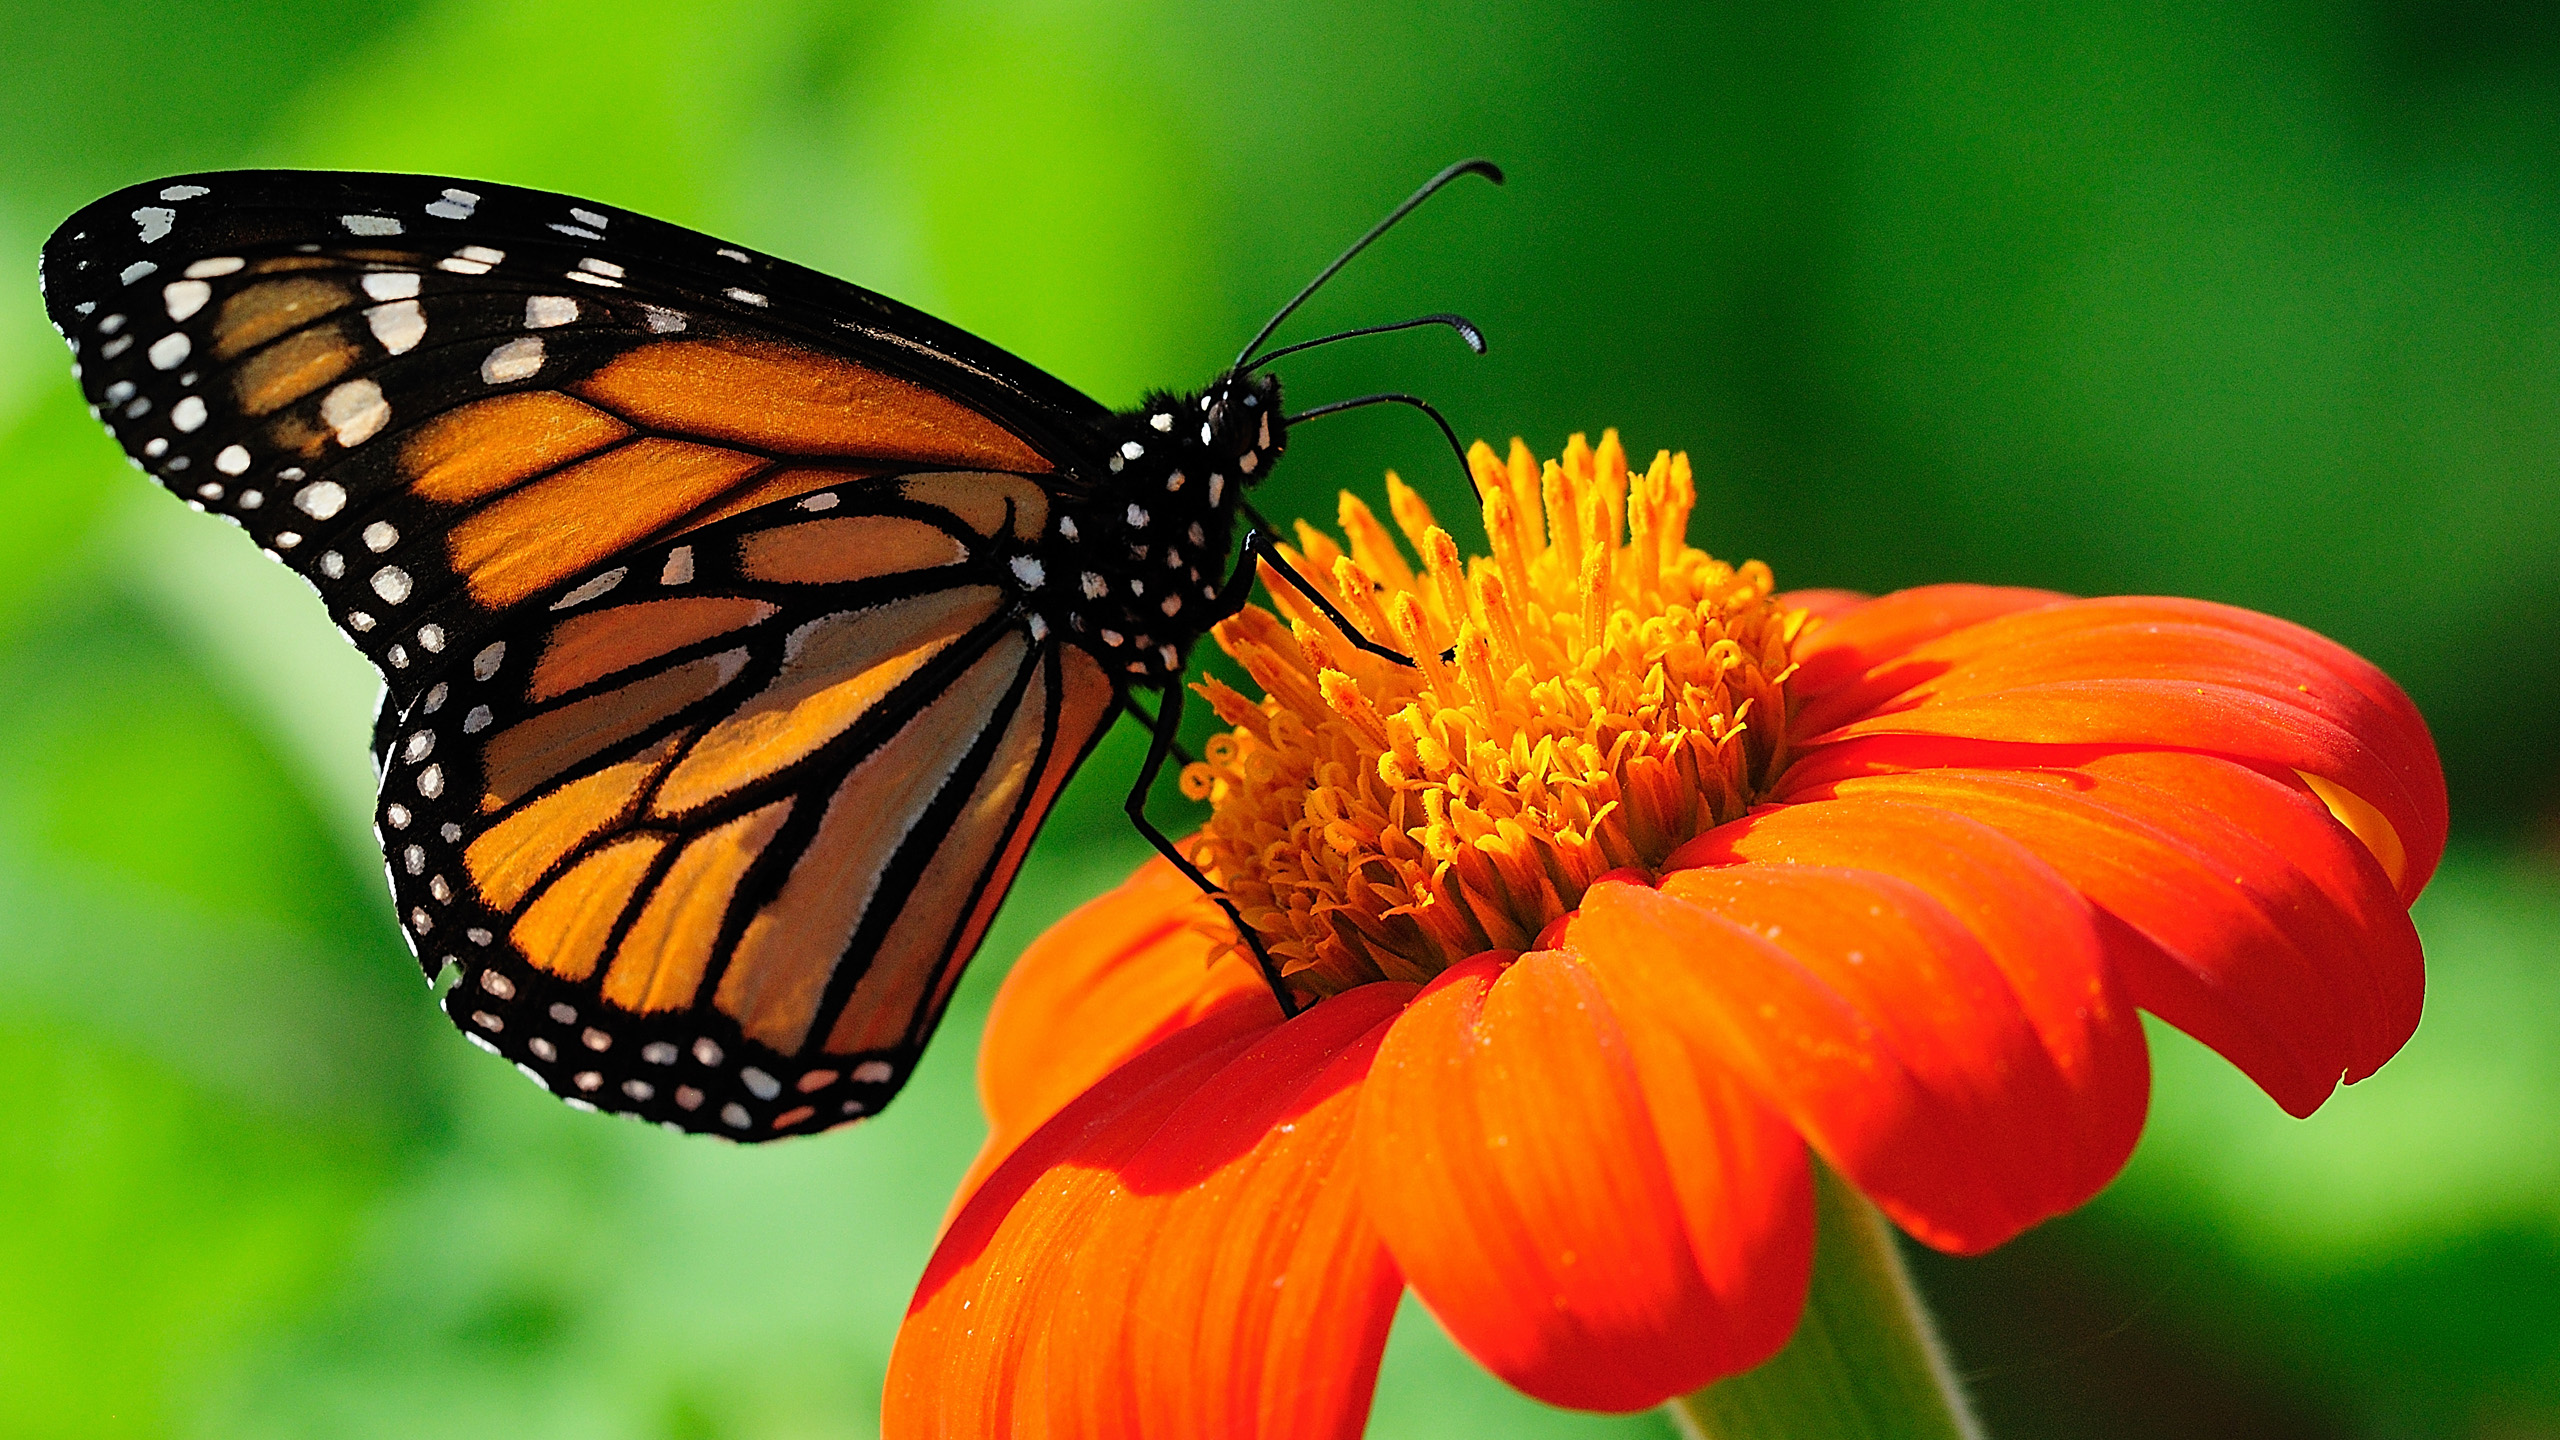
(1865, 1363)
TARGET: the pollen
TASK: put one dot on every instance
(1584, 699)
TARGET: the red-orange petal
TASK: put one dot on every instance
(1823, 603)
(1852, 640)
(2162, 674)
(2036, 931)
(1118, 974)
(983, 1312)
(1920, 996)
(1179, 1252)
(1591, 1207)
(2239, 911)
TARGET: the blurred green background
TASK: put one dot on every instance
(2255, 301)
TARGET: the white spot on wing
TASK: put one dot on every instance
(381, 535)
(391, 583)
(679, 566)
(234, 460)
(156, 221)
(541, 312)
(486, 663)
(183, 192)
(587, 217)
(188, 414)
(517, 359)
(593, 266)
(391, 284)
(455, 205)
(663, 322)
(169, 350)
(745, 297)
(872, 1072)
(370, 224)
(592, 588)
(399, 326)
(211, 266)
(356, 411)
(320, 499)
(185, 297)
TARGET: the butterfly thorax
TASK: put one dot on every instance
(1132, 571)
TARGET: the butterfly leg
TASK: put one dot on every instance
(1168, 720)
(1129, 706)
(1258, 545)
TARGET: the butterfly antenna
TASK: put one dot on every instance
(1465, 327)
(1394, 398)
(1430, 187)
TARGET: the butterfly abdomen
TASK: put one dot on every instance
(1134, 572)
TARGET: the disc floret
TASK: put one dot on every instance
(1584, 699)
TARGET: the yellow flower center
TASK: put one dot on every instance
(1589, 696)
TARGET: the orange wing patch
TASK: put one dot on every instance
(894, 979)
(565, 930)
(508, 858)
(587, 648)
(855, 547)
(840, 667)
(292, 368)
(661, 962)
(792, 401)
(574, 519)
(789, 483)
(479, 449)
(1085, 703)
(780, 969)
(260, 313)
(525, 756)
(981, 500)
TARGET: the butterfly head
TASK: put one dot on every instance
(1240, 422)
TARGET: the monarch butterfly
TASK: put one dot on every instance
(738, 626)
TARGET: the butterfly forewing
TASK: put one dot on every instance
(710, 842)
(434, 402)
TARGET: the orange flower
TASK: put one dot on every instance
(1659, 879)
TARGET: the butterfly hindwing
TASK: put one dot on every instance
(709, 834)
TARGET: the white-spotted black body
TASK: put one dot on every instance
(1133, 572)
